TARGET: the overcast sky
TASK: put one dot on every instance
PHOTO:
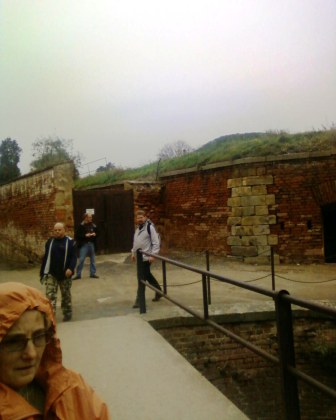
(123, 78)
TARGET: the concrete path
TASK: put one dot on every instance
(130, 365)
(138, 374)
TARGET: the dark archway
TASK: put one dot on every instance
(329, 232)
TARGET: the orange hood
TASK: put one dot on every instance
(68, 397)
(16, 298)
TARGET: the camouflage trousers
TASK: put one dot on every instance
(51, 291)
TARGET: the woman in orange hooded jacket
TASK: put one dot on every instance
(33, 382)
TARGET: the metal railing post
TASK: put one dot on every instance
(164, 277)
(272, 268)
(289, 374)
(208, 277)
(205, 297)
(287, 356)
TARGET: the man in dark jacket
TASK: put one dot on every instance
(58, 265)
(86, 236)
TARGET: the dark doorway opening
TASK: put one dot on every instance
(113, 214)
(329, 232)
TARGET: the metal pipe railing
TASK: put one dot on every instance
(207, 260)
(286, 360)
(219, 327)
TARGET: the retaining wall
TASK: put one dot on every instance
(245, 207)
(250, 382)
(241, 208)
(29, 208)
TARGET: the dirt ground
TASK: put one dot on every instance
(114, 292)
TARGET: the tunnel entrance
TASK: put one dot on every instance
(329, 232)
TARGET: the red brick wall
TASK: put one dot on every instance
(148, 196)
(297, 209)
(251, 382)
(198, 209)
(29, 208)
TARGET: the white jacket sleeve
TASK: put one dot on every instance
(155, 240)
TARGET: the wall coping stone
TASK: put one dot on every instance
(249, 160)
(264, 314)
(30, 174)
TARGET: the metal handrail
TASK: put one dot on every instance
(283, 301)
(261, 290)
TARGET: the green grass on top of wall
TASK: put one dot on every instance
(225, 148)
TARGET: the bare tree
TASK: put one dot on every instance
(51, 151)
(171, 150)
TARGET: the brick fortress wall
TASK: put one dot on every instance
(30, 206)
(251, 382)
(148, 196)
(245, 207)
(239, 209)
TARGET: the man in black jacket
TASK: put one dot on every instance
(85, 236)
(58, 265)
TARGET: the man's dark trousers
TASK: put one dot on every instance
(144, 273)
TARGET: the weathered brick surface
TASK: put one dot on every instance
(148, 196)
(280, 197)
(241, 209)
(251, 382)
(30, 206)
(196, 211)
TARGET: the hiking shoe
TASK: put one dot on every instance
(67, 317)
(94, 276)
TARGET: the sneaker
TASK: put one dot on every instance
(76, 278)
(67, 317)
(94, 276)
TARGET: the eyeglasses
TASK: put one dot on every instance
(19, 343)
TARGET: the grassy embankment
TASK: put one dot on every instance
(226, 148)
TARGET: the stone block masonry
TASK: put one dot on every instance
(30, 206)
(240, 209)
(250, 221)
(246, 207)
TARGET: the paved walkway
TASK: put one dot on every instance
(147, 378)
(114, 292)
(130, 365)
(138, 374)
